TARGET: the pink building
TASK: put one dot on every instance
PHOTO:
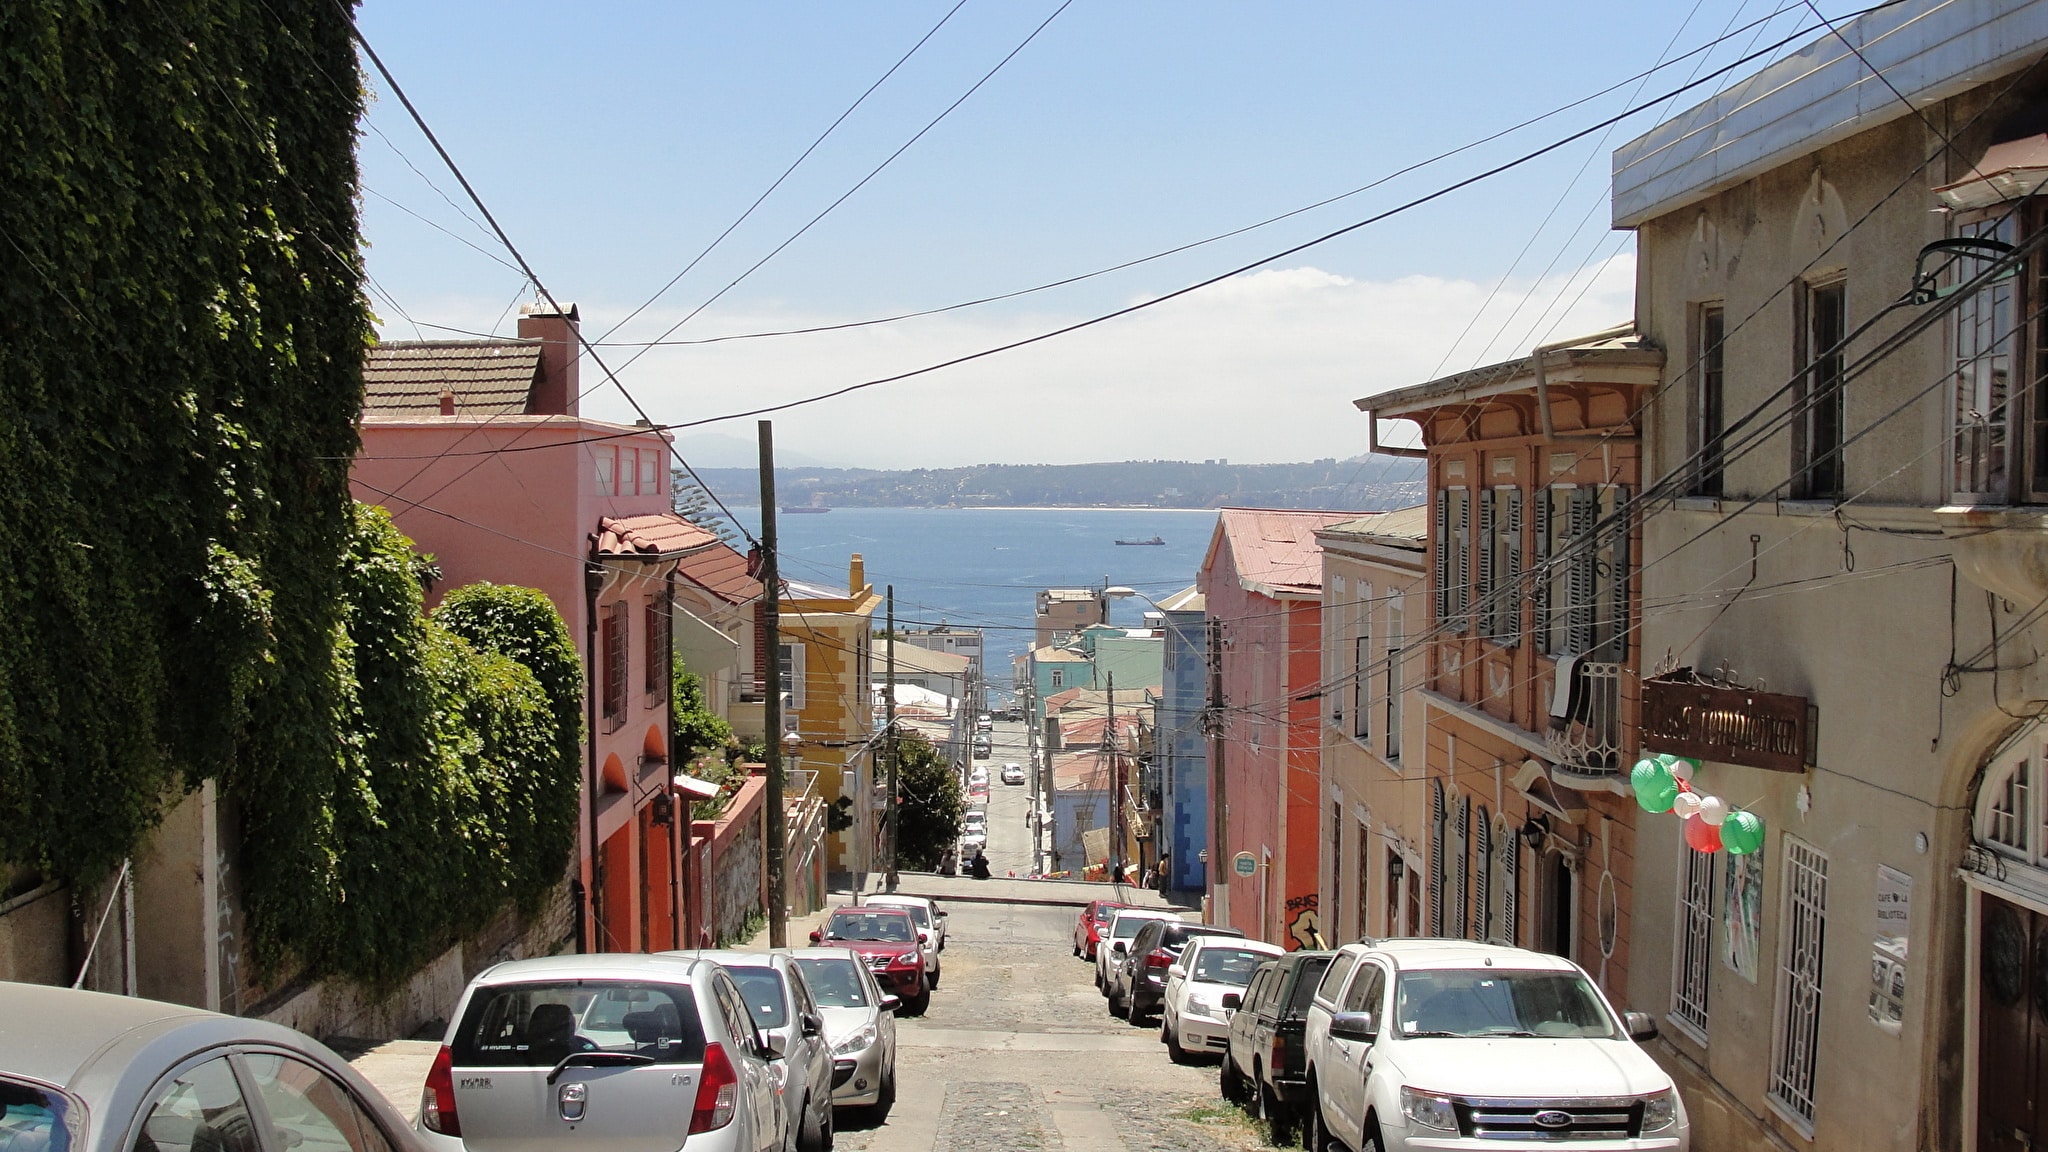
(1263, 577)
(477, 449)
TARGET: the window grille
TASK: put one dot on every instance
(2006, 824)
(1694, 952)
(1802, 933)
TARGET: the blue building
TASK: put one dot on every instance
(1180, 748)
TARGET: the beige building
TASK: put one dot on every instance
(1065, 611)
(1375, 810)
(1843, 575)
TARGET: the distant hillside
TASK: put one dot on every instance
(1372, 483)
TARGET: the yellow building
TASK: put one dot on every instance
(826, 636)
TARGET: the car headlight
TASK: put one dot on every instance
(1202, 1008)
(857, 1042)
(911, 957)
(1429, 1110)
(1660, 1110)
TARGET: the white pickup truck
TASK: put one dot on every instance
(1448, 1044)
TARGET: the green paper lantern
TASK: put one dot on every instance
(1650, 774)
(1742, 833)
(1658, 799)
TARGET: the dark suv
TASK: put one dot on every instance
(1265, 1064)
(1141, 985)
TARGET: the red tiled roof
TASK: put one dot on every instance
(1080, 772)
(1274, 550)
(721, 571)
(404, 378)
(656, 534)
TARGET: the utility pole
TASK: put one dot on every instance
(771, 706)
(889, 738)
(1116, 788)
(1219, 877)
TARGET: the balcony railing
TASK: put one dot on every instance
(1589, 742)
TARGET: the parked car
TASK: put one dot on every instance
(886, 939)
(978, 778)
(607, 1046)
(929, 941)
(88, 1072)
(971, 843)
(1089, 925)
(982, 748)
(923, 909)
(1263, 1062)
(780, 1001)
(860, 1027)
(1138, 983)
(1420, 1043)
(1123, 924)
(1192, 1016)
(984, 722)
(1013, 773)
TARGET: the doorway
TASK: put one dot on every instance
(2012, 1027)
(1557, 904)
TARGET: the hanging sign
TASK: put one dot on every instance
(1245, 864)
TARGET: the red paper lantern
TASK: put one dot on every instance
(1701, 836)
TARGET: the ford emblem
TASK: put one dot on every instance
(1552, 1118)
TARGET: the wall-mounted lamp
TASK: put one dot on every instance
(1535, 831)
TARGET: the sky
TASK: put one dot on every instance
(616, 140)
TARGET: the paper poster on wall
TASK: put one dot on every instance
(1888, 949)
(1742, 914)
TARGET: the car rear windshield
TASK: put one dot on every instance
(1307, 973)
(761, 988)
(1104, 913)
(834, 983)
(33, 1119)
(1497, 1002)
(1226, 965)
(1128, 926)
(889, 927)
(918, 912)
(535, 1025)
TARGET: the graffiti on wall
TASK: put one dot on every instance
(1304, 923)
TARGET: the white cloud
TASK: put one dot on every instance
(1260, 368)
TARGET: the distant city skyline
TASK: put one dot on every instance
(615, 146)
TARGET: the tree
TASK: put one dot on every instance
(698, 728)
(928, 815)
(693, 503)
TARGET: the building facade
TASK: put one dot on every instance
(1182, 742)
(826, 649)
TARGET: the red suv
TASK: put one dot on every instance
(1088, 929)
(886, 939)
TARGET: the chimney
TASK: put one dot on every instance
(856, 574)
(554, 394)
(447, 403)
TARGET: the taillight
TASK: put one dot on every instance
(1158, 958)
(437, 1103)
(1278, 1059)
(718, 1091)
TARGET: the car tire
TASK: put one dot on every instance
(917, 1005)
(1077, 949)
(1174, 1051)
(885, 1096)
(1117, 1006)
(1229, 1081)
(933, 982)
(813, 1135)
(1371, 1141)
(1136, 1013)
(1315, 1134)
(1277, 1115)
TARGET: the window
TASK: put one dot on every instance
(1708, 401)
(1367, 990)
(607, 470)
(1333, 979)
(1453, 558)
(1336, 859)
(660, 651)
(1439, 827)
(1802, 936)
(1361, 683)
(1461, 871)
(1484, 887)
(1997, 414)
(1583, 608)
(793, 675)
(1500, 563)
(1695, 947)
(309, 1110)
(1394, 687)
(200, 1111)
(1056, 678)
(1363, 898)
(614, 635)
(650, 472)
(1817, 468)
(34, 1118)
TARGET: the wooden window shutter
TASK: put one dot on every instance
(1461, 601)
(1483, 601)
(1617, 581)
(1436, 858)
(1510, 581)
(1462, 913)
(1443, 555)
(1511, 888)
(1539, 595)
(1584, 563)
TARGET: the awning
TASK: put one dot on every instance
(691, 787)
(2008, 171)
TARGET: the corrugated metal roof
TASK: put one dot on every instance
(1929, 50)
(1275, 550)
(1403, 527)
(484, 377)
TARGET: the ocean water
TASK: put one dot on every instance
(983, 567)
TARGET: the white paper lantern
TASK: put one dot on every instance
(1713, 809)
(1686, 806)
(1681, 768)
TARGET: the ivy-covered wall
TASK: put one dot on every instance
(186, 590)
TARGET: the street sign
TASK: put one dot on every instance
(1245, 864)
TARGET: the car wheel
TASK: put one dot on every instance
(932, 979)
(812, 1136)
(885, 1096)
(1137, 1013)
(1371, 1142)
(1174, 1051)
(1117, 1006)
(1276, 1114)
(918, 1004)
(1315, 1134)
(1229, 1082)
(1077, 949)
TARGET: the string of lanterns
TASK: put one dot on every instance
(1663, 783)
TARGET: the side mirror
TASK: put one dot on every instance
(1641, 1025)
(816, 936)
(891, 1003)
(770, 1045)
(924, 936)
(1356, 1026)
(1173, 970)
(1232, 1001)
(814, 1025)
(1117, 947)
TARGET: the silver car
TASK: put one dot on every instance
(86, 1072)
(609, 1052)
(776, 993)
(860, 1025)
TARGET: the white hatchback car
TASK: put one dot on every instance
(1192, 1018)
(1116, 939)
(1013, 773)
(610, 1052)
